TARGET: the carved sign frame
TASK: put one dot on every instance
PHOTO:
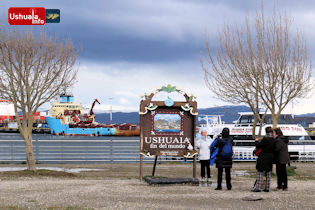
(161, 130)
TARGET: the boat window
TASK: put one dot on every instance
(283, 119)
(299, 138)
(245, 119)
(268, 119)
(286, 119)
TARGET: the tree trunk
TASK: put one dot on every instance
(30, 159)
(261, 124)
(254, 127)
(275, 119)
(275, 123)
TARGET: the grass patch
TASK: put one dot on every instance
(273, 175)
(305, 178)
(291, 171)
(250, 176)
(37, 173)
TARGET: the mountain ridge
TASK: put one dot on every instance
(229, 114)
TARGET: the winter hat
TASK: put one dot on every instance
(225, 133)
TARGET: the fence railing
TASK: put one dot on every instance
(112, 151)
(72, 151)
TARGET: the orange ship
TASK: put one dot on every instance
(127, 129)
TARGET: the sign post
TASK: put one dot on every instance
(168, 127)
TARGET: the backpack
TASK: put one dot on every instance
(227, 151)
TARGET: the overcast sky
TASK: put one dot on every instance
(130, 47)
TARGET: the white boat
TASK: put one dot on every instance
(300, 143)
(213, 125)
(242, 128)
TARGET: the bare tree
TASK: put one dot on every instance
(231, 76)
(259, 64)
(286, 68)
(33, 70)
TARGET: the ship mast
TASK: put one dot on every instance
(111, 111)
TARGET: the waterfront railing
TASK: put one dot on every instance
(117, 150)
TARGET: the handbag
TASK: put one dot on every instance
(257, 151)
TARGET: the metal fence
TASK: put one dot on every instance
(112, 151)
(72, 151)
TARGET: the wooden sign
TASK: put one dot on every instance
(167, 127)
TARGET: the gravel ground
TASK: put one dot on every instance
(108, 192)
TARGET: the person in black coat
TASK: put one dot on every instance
(265, 159)
(225, 163)
(282, 158)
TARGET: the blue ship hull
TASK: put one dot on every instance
(56, 127)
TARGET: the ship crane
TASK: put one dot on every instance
(91, 111)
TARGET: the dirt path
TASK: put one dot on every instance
(97, 191)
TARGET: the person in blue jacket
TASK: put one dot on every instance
(221, 162)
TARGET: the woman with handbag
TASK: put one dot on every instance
(265, 159)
